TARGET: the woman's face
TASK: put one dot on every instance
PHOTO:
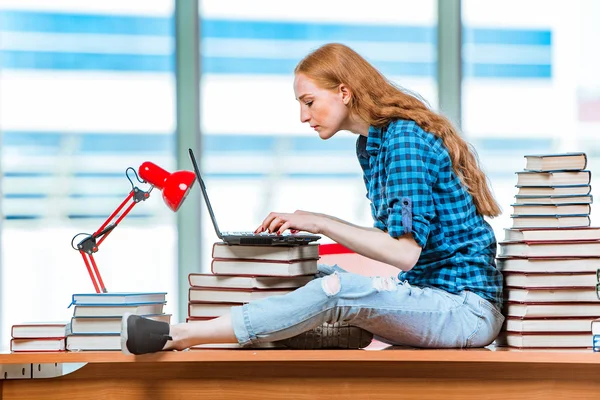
(324, 110)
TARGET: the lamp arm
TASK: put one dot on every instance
(89, 245)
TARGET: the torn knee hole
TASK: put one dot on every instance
(385, 284)
(331, 284)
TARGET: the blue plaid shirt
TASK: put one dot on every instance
(413, 189)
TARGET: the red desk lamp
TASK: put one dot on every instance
(174, 186)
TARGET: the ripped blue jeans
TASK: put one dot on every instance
(395, 312)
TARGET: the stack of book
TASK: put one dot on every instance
(96, 321)
(241, 274)
(550, 256)
(39, 336)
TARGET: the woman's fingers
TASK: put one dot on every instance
(275, 224)
(283, 227)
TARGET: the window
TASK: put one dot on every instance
(87, 91)
(530, 86)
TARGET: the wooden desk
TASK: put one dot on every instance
(293, 374)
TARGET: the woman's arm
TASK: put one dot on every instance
(402, 253)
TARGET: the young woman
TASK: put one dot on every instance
(428, 202)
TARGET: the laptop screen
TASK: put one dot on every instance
(205, 194)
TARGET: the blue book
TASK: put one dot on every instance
(596, 343)
(119, 298)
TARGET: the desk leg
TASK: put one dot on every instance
(313, 380)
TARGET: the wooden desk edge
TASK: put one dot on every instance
(237, 356)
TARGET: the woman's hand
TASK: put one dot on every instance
(297, 221)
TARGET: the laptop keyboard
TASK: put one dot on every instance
(249, 234)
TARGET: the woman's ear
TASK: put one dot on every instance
(345, 93)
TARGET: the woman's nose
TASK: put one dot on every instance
(304, 116)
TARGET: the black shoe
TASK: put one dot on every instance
(330, 336)
(141, 335)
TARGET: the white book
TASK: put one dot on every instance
(40, 344)
(93, 342)
(556, 161)
(111, 310)
(106, 324)
(265, 268)
(571, 248)
(553, 178)
(558, 280)
(209, 310)
(548, 325)
(550, 209)
(548, 221)
(560, 190)
(40, 330)
(563, 340)
(549, 265)
(562, 295)
(554, 234)
(247, 282)
(232, 295)
(118, 298)
(549, 199)
(280, 253)
(552, 310)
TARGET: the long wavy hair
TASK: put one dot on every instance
(378, 101)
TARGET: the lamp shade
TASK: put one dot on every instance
(174, 186)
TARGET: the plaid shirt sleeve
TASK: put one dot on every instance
(410, 173)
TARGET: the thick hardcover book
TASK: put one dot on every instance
(543, 340)
(105, 325)
(556, 190)
(551, 234)
(555, 162)
(548, 265)
(28, 330)
(221, 295)
(557, 280)
(550, 209)
(556, 200)
(552, 310)
(209, 310)
(278, 253)
(94, 342)
(263, 267)
(37, 344)
(116, 310)
(118, 298)
(553, 178)
(551, 221)
(571, 248)
(554, 295)
(248, 282)
(545, 325)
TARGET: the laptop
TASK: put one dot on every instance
(250, 238)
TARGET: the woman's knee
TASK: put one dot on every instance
(331, 284)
